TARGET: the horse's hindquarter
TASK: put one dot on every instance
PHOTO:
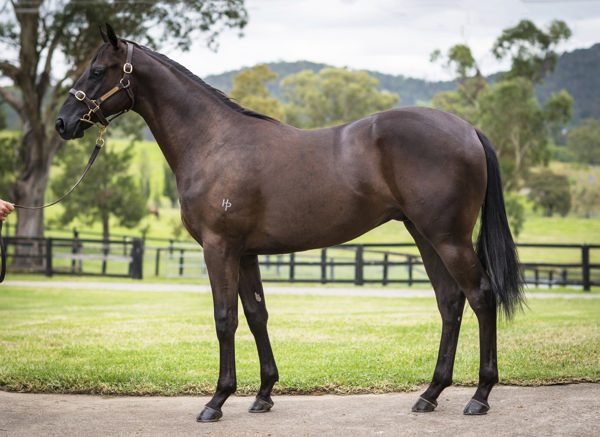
(435, 166)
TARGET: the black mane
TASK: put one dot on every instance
(215, 92)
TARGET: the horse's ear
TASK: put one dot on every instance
(103, 34)
(112, 37)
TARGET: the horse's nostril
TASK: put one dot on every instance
(60, 125)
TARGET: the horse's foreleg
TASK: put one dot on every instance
(223, 271)
(451, 303)
(253, 301)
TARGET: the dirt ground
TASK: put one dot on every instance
(559, 410)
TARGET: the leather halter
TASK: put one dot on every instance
(94, 104)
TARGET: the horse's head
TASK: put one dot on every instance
(97, 93)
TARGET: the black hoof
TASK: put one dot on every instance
(260, 406)
(209, 415)
(424, 406)
(476, 408)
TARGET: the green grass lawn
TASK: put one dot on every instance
(90, 341)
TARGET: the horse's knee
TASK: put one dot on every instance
(226, 325)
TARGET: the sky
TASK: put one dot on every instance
(390, 36)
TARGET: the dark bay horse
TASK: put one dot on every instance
(250, 185)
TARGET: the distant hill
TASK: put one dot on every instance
(412, 91)
(579, 73)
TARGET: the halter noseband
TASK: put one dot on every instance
(94, 105)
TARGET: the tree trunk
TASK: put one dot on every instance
(28, 190)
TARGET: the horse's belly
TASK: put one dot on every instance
(325, 220)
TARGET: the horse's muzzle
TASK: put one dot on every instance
(69, 132)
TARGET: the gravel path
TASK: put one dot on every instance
(560, 410)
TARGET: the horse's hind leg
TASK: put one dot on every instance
(463, 264)
(451, 303)
(253, 301)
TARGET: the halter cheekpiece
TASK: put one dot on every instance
(94, 104)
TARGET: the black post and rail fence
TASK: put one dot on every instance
(543, 265)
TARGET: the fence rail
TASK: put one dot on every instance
(384, 264)
(75, 256)
(543, 265)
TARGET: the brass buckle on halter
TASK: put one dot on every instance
(80, 95)
(127, 68)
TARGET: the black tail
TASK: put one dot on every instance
(495, 245)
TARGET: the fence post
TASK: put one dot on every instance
(323, 266)
(74, 249)
(49, 257)
(137, 258)
(409, 261)
(181, 260)
(384, 280)
(585, 267)
(292, 266)
(358, 267)
(157, 268)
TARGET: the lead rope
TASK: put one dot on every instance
(99, 145)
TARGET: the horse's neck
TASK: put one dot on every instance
(180, 113)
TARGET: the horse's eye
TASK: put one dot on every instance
(97, 73)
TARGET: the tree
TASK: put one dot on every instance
(550, 192)
(518, 126)
(250, 91)
(333, 96)
(586, 200)
(584, 142)
(461, 60)
(531, 49)
(463, 102)
(107, 190)
(37, 33)
(508, 111)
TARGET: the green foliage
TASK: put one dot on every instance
(2, 118)
(250, 91)
(9, 144)
(511, 116)
(584, 142)
(515, 211)
(550, 192)
(531, 49)
(460, 59)
(170, 186)
(333, 96)
(107, 190)
(463, 102)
